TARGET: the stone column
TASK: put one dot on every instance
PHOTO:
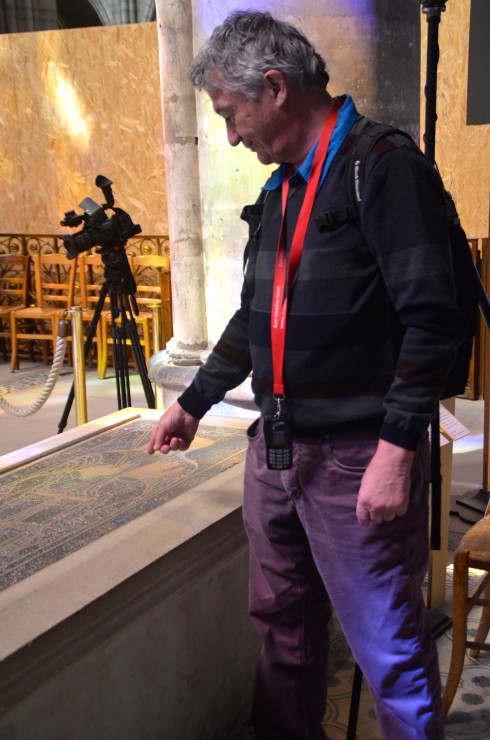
(116, 12)
(174, 20)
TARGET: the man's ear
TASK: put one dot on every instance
(275, 82)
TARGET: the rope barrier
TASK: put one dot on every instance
(54, 372)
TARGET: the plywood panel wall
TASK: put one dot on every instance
(462, 152)
(74, 104)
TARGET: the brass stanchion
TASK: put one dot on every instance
(156, 324)
(80, 383)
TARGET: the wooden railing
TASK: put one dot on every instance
(32, 244)
(42, 243)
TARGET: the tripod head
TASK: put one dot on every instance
(118, 275)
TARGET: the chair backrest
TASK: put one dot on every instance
(152, 276)
(14, 279)
(54, 280)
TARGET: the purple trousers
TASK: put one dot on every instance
(309, 554)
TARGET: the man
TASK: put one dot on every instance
(348, 330)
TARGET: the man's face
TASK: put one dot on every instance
(251, 122)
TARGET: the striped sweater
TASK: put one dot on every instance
(372, 325)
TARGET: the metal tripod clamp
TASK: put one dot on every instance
(433, 7)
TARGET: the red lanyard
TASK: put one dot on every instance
(285, 273)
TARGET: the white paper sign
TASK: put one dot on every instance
(450, 426)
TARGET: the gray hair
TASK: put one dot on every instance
(248, 44)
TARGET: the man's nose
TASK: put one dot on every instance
(233, 137)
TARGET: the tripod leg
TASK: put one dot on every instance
(354, 703)
(126, 289)
(128, 327)
(140, 362)
(120, 350)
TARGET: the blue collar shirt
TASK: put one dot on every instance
(346, 117)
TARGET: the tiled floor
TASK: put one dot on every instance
(24, 387)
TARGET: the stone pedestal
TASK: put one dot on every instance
(172, 379)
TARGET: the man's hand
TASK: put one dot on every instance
(385, 485)
(175, 431)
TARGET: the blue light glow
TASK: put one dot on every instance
(469, 443)
(210, 13)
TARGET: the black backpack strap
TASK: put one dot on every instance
(252, 215)
(366, 135)
(335, 218)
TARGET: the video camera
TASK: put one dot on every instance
(98, 229)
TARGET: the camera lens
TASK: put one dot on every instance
(77, 243)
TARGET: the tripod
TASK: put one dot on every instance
(120, 286)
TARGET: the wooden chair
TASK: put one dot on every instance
(152, 277)
(472, 552)
(54, 286)
(14, 289)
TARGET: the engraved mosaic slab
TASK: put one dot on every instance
(58, 504)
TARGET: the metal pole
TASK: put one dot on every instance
(433, 10)
(79, 365)
(156, 327)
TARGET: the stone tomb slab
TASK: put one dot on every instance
(125, 585)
